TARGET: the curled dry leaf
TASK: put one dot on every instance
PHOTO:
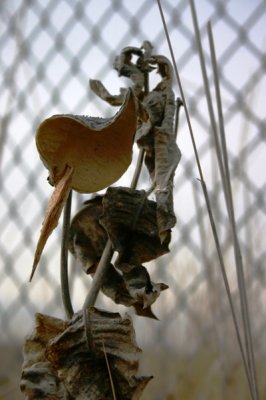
(157, 138)
(125, 66)
(132, 288)
(87, 238)
(76, 371)
(100, 90)
(84, 154)
(128, 218)
(156, 113)
(131, 222)
(167, 158)
(140, 286)
(39, 380)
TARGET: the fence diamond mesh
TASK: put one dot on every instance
(48, 52)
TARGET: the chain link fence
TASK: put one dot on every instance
(48, 51)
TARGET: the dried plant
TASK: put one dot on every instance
(80, 154)
(93, 354)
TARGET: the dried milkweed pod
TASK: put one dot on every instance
(84, 154)
(98, 149)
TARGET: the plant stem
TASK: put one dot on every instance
(231, 214)
(108, 251)
(64, 259)
(103, 265)
(99, 275)
(136, 175)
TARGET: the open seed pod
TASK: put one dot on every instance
(84, 154)
(98, 149)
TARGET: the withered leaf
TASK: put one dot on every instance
(128, 218)
(87, 237)
(52, 214)
(116, 100)
(167, 158)
(74, 370)
(140, 287)
(155, 131)
(157, 138)
(131, 222)
(155, 135)
(125, 66)
(100, 90)
(46, 327)
(132, 288)
(39, 379)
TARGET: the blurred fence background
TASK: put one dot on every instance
(48, 51)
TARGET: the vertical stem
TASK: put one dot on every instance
(99, 275)
(137, 172)
(231, 213)
(108, 251)
(103, 265)
(64, 259)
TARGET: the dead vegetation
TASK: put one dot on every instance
(77, 360)
(93, 355)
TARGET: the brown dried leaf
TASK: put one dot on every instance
(116, 100)
(52, 214)
(125, 66)
(140, 287)
(100, 90)
(167, 158)
(132, 285)
(157, 138)
(39, 379)
(59, 365)
(131, 222)
(132, 288)
(134, 71)
(46, 328)
(85, 374)
(87, 238)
